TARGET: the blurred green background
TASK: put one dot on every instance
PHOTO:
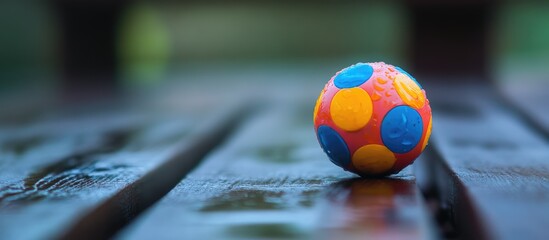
(156, 39)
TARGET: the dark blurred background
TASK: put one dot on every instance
(70, 50)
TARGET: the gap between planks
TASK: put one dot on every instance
(106, 219)
(273, 181)
(529, 102)
(487, 165)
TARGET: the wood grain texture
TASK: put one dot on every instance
(488, 166)
(58, 168)
(272, 180)
(62, 169)
(137, 196)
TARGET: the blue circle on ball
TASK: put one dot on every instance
(401, 129)
(410, 76)
(353, 76)
(334, 146)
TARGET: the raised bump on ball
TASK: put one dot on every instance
(401, 129)
(334, 146)
(353, 76)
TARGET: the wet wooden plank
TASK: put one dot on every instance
(489, 167)
(137, 196)
(530, 99)
(57, 173)
(73, 171)
(272, 180)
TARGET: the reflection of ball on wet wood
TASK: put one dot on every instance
(372, 119)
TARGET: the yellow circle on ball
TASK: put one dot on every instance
(427, 134)
(373, 159)
(317, 105)
(351, 109)
(409, 91)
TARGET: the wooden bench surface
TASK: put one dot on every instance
(50, 178)
(92, 175)
(271, 180)
(489, 167)
(60, 173)
(530, 98)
